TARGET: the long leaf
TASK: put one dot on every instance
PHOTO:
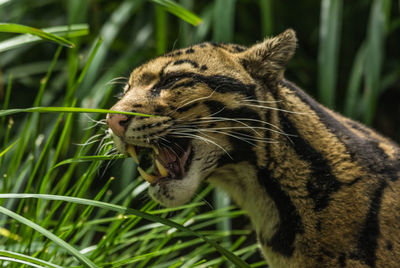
(179, 11)
(68, 31)
(229, 255)
(67, 110)
(354, 85)
(27, 259)
(8, 148)
(373, 63)
(50, 236)
(329, 34)
(18, 28)
(90, 158)
(224, 23)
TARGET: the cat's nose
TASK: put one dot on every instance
(118, 123)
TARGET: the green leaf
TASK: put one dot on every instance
(267, 17)
(8, 148)
(329, 40)
(18, 28)
(90, 158)
(375, 42)
(179, 11)
(49, 235)
(67, 110)
(229, 255)
(354, 85)
(224, 14)
(26, 259)
(69, 31)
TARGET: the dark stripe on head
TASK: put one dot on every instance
(368, 241)
(290, 222)
(322, 182)
(381, 164)
(218, 109)
(217, 83)
(193, 63)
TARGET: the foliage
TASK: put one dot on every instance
(347, 57)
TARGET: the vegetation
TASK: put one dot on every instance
(67, 199)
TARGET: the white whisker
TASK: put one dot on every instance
(273, 108)
(190, 135)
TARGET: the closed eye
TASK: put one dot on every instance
(169, 81)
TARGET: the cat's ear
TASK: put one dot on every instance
(267, 60)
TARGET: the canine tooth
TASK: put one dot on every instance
(146, 176)
(161, 168)
(132, 152)
(155, 148)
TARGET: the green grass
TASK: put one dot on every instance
(65, 201)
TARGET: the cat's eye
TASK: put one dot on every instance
(168, 81)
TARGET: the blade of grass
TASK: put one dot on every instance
(11, 260)
(50, 236)
(67, 110)
(5, 106)
(6, 233)
(267, 17)
(354, 87)
(18, 28)
(69, 31)
(230, 256)
(71, 91)
(224, 13)
(329, 39)
(373, 63)
(186, 36)
(161, 29)
(179, 11)
(8, 148)
(27, 259)
(89, 158)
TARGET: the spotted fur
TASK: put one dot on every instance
(321, 190)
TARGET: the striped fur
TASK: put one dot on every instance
(321, 190)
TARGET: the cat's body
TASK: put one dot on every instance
(321, 190)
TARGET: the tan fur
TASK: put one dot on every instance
(320, 189)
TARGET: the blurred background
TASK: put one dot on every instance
(348, 58)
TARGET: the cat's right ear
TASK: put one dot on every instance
(269, 58)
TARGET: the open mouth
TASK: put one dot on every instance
(170, 162)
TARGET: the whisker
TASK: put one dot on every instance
(274, 108)
(117, 80)
(239, 120)
(190, 135)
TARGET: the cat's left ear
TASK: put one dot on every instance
(267, 60)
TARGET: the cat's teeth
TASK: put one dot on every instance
(147, 177)
(156, 151)
(132, 152)
(163, 171)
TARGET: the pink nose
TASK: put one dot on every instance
(118, 123)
